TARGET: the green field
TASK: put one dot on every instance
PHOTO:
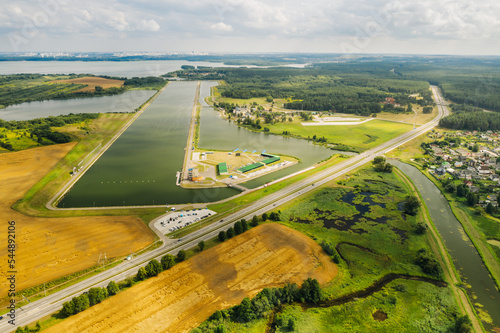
(358, 137)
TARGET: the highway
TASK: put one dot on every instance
(52, 303)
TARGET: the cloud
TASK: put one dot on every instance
(150, 25)
(221, 26)
(282, 24)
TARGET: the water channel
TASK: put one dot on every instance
(140, 167)
(464, 254)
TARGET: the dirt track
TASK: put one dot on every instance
(181, 298)
(48, 248)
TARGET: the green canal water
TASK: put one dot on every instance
(140, 167)
(483, 291)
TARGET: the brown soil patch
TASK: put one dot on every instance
(379, 315)
(181, 298)
(92, 81)
(48, 248)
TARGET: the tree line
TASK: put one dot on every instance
(472, 121)
(262, 304)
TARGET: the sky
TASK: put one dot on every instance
(467, 27)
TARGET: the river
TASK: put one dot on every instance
(140, 167)
(483, 292)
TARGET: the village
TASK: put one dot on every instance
(468, 158)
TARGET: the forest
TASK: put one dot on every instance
(316, 88)
(472, 121)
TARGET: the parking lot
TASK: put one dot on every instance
(176, 220)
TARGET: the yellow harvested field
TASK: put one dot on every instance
(92, 82)
(181, 298)
(49, 248)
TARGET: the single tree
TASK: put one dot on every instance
(96, 296)
(201, 245)
(222, 236)
(181, 255)
(167, 261)
(255, 220)
(411, 205)
(153, 268)
(230, 233)
(471, 199)
(113, 288)
(489, 208)
(244, 225)
(237, 228)
(141, 274)
(264, 217)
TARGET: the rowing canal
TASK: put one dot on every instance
(483, 292)
(140, 166)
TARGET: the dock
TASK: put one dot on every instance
(178, 178)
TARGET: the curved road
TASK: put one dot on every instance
(52, 303)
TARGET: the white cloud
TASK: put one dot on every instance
(284, 24)
(150, 25)
(221, 26)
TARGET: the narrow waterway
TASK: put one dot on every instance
(483, 292)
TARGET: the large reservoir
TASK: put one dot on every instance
(140, 167)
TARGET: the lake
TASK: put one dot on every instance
(126, 102)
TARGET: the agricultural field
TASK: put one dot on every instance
(91, 82)
(361, 222)
(183, 296)
(51, 248)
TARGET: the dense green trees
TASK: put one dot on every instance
(153, 268)
(411, 205)
(428, 263)
(472, 121)
(167, 261)
(264, 302)
(113, 288)
(181, 255)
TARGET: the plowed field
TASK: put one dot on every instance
(181, 298)
(48, 248)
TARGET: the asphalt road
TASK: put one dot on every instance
(52, 303)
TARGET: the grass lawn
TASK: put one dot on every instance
(359, 137)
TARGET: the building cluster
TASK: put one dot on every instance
(472, 157)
